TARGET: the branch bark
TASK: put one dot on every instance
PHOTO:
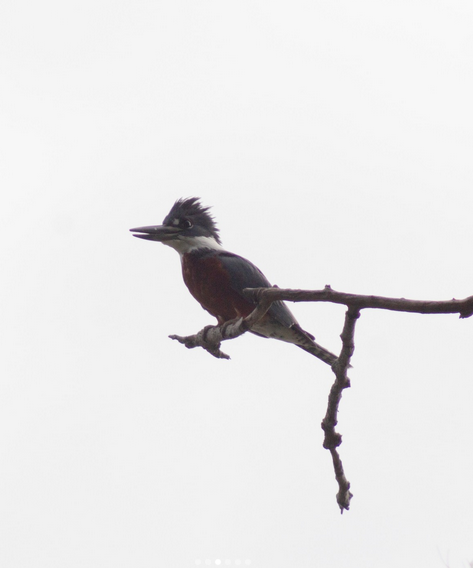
(463, 307)
(210, 339)
(211, 336)
(332, 438)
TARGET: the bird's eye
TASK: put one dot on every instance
(185, 224)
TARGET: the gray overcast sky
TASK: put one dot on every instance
(334, 141)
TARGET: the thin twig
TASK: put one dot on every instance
(211, 336)
(332, 438)
(463, 307)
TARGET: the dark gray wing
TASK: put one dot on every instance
(244, 274)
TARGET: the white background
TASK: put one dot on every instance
(334, 140)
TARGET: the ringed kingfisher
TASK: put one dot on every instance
(217, 277)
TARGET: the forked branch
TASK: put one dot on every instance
(210, 338)
(463, 307)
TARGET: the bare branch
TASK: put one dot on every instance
(211, 336)
(332, 438)
(463, 307)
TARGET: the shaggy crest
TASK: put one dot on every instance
(190, 208)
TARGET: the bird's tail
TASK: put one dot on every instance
(293, 333)
(306, 341)
(320, 352)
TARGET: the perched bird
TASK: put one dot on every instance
(216, 277)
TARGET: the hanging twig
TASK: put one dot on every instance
(332, 438)
(210, 338)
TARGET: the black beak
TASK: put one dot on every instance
(156, 233)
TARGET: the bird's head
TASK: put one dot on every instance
(186, 227)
